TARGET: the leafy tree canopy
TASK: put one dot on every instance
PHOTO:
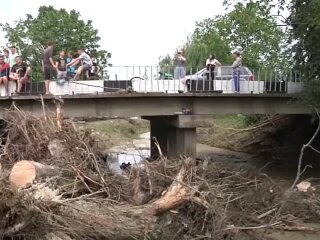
(249, 25)
(305, 22)
(66, 30)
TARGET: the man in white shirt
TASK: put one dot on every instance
(13, 55)
(86, 63)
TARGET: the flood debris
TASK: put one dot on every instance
(303, 186)
(67, 192)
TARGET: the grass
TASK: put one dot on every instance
(231, 121)
(117, 128)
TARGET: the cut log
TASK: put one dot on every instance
(25, 172)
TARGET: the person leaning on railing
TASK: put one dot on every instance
(20, 72)
(236, 66)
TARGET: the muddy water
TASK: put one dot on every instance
(140, 149)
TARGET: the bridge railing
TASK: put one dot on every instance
(145, 79)
(156, 79)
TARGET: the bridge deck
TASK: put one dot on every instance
(153, 104)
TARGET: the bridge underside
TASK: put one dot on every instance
(127, 105)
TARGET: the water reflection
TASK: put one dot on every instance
(132, 156)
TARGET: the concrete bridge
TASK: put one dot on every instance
(175, 132)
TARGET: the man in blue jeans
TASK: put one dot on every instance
(236, 66)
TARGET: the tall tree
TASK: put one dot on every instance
(204, 41)
(248, 24)
(251, 26)
(305, 22)
(65, 29)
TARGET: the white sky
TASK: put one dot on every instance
(136, 32)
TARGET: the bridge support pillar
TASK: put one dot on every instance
(182, 142)
(175, 134)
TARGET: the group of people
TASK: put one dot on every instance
(66, 67)
(211, 63)
(12, 67)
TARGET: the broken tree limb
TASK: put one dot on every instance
(25, 172)
(59, 115)
(177, 194)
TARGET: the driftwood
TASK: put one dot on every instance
(26, 172)
(105, 217)
(177, 194)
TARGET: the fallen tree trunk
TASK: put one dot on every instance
(25, 172)
(102, 217)
(177, 194)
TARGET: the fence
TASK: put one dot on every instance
(147, 79)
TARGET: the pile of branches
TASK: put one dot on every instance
(84, 199)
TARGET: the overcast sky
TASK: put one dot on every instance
(136, 32)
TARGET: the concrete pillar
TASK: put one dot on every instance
(176, 134)
(182, 142)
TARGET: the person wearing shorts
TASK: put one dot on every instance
(47, 65)
(4, 72)
(20, 72)
(86, 63)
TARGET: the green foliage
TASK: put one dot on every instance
(65, 29)
(250, 120)
(252, 27)
(249, 25)
(166, 64)
(305, 22)
(205, 41)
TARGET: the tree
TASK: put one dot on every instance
(204, 41)
(305, 22)
(65, 29)
(252, 26)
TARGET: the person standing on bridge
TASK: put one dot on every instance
(180, 66)
(236, 67)
(211, 64)
(47, 65)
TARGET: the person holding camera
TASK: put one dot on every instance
(180, 66)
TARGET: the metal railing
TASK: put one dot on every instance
(148, 79)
